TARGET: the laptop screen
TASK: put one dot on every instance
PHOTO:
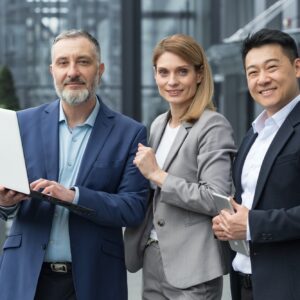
(13, 174)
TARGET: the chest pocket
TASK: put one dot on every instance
(13, 241)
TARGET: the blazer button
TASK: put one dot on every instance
(44, 246)
(161, 222)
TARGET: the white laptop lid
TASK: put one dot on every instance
(13, 174)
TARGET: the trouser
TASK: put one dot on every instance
(155, 285)
(245, 283)
(55, 284)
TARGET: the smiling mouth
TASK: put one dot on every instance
(267, 92)
(174, 92)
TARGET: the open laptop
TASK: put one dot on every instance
(13, 172)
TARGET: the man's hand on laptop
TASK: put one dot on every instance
(10, 197)
(54, 189)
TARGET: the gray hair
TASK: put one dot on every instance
(74, 33)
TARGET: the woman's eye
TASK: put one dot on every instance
(163, 72)
(183, 72)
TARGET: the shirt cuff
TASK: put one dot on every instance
(76, 197)
(248, 235)
(7, 211)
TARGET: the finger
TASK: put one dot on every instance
(11, 193)
(140, 146)
(216, 219)
(235, 205)
(224, 215)
(34, 183)
(42, 184)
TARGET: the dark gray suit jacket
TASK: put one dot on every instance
(274, 219)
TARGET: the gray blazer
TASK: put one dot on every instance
(198, 163)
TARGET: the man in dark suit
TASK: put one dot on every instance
(80, 151)
(266, 175)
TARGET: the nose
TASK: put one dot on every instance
(73, 70)
(172, 79)
(263, 78)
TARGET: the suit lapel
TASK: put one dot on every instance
(239, 161)
(281, 138)
(158, 132)
(179, 139)
(101, 130)
(155, 138)
(50, 140)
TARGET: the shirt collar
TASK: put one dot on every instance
(277, 119)
(89, 121)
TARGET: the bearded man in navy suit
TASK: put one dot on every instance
(78, 150)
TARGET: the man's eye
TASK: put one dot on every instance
(252, 74)
(62, 63)
(84, 62)
(272, 68)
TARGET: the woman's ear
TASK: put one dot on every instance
(199, 76)
(154, 72)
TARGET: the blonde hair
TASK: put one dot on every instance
(189, 50)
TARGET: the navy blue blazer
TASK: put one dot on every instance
(108, 182)
(274, 219)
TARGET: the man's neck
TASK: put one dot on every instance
(77, 114)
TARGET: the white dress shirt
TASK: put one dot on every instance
(266, 128)
(161, 155)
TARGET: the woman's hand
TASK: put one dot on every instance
(146, 162)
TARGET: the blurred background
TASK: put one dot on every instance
(127, 31)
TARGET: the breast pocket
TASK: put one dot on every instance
(13, 241)
(106, 175)
(291, 158)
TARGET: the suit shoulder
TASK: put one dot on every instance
(37, 110)
(159, 119)
(124, 120)
(120, 118)
(213, 118)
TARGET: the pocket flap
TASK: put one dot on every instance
(13, 241)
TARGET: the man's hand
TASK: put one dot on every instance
(10, 197)
(54, 189)
(227, 226)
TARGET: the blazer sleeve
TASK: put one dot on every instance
(274, 225)
(127, 205)
(215, 151)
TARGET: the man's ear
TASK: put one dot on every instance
(101, 71)
(297, 67)
(50, 69)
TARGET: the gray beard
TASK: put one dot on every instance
(75, 97)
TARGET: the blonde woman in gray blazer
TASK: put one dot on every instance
(190, 156)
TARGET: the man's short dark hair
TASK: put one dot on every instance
(270, 36)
